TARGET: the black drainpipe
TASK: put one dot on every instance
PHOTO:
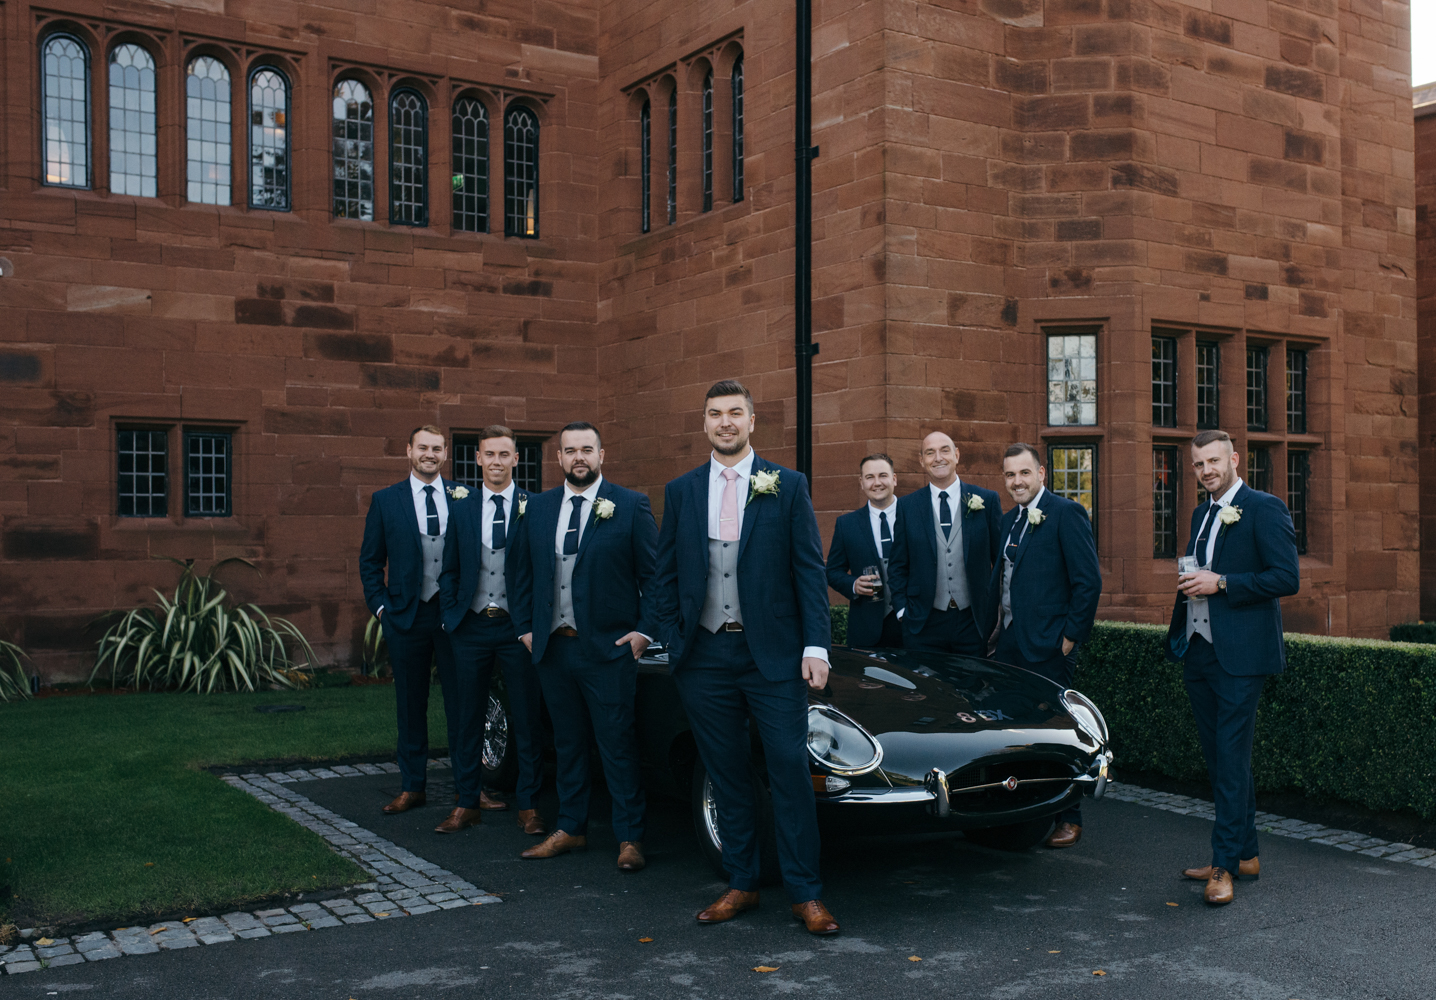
(805, 151)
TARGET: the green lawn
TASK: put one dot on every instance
(108, 815)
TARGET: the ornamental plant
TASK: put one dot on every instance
(198, 640)
(13, 682)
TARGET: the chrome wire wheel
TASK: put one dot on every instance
(496, 734)
(710, 813)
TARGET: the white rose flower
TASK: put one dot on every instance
(523, 505)
(603, 508)
(974, 503)
(1035, 516)
(765, 482)
(1229, 514)
(459, 492)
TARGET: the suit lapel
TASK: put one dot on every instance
(927, 520)
(875, 556)
(960, 517)
(750, 510)
(404, 496)
(1222, 528)
(591, 527)
(1031, 529)
(699, 488)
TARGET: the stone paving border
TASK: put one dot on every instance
(404, 884)
(1294, 829)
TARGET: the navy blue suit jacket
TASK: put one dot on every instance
(1258, 557)
(612, 571)
(780, 572)
(391, 542)
(854, 549)
(913, 566)
(1056, 579)
(463, 553)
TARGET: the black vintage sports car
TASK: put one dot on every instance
(899, 742)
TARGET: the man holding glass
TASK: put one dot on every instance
(858, 557)
(1226, 630)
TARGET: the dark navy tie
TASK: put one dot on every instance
(885, 534)
(1015, 535)
(570, 537)
(433, 511)
(944, 514)
(501, 534)
(1200, 549)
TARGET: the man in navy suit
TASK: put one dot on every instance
(947, 542)
(1226, 629)
(862, 540)
(1048, 582)
(404, 534)
(475, 593)
(589, 557)
(740, 603)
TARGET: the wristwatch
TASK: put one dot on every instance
(1222, 584)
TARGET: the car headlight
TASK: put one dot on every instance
(840, 744)
(1085, 714)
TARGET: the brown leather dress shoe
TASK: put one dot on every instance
(404, 802)
(630, 856)
(1249, 868)
(1065, 835)
(555, 844)
(728, 906)
(1220, 891)
(531, 822)
(815, 916)
(487, 803)
(460, 819)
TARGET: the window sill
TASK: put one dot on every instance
(216, 525)
(1083, 431)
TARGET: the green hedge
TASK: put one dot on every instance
(1414, 632)
(1351, 719)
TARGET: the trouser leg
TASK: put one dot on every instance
(562, 694)
(473, 671)
(411, 653)
(525, 708)
(608, 690)
(1225, 709)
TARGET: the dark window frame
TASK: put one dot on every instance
(194, 498)
(346, 170)
(1259, 467)
(1258, 388)
(737, 84)
(1166, 499)
(284, 202)
(470, 165)
(1297, 365)
(1208, 385)
(88, 138)
(223, 133)
(520, 191)
(1164, 381)
(154, 435)
(1298, 493)
(708, 142)
(1089, 446)
(414, 213)
(645, 165)
(528, 473)
(148, 184)
(673, 156)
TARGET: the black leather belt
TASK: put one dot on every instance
(492, 612)
(572, 633)
(951, 604)
(731, 627)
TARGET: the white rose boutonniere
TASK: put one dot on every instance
(523, 506)
(1035, 516)
(602, 509)
(459, 492)
(975, 504)
(1230, 514)
(764, 482)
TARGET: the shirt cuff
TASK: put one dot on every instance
(816, 651)
(901, 612)
(648, 637)
(380, 611)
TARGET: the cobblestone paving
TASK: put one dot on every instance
(403, 885)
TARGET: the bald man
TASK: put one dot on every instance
(947, 541)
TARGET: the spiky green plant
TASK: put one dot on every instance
(197, 640)
(376, 650)
(13, 682)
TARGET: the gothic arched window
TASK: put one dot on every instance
(408, 159)
(673, 156)
(521, 173)
(708, 142)
(207, 135)
(66, 97)
(353, 151)
(133, 161)
(471, 166)
(268, 140)
(645, 164)
(738, 130)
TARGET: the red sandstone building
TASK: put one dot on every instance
(249, 246)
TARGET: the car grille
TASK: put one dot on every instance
(984, 787)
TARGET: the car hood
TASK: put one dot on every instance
(938, 710)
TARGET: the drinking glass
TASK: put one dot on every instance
(878, 583)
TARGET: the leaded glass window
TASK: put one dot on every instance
(1072, 473)
(65, 78)
(1164, 381)
(133, 160)
(1166, 478)
(353, 151)
(645, 165)
(673, 157)
(1298, 478)
(268, 140)
(471, 166)
(1256, 388)
(209, 472)
(1296, 392)
(521, 173)
(738, 130)
(529, 472)
(1208, 384)
(708, 142)
(143, 486)
(207, 131)
(1071, 379)
(408, 159)
(1259, 469)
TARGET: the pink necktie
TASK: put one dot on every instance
(728, 509)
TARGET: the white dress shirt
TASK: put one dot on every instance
(489, 510)
(954, 501)
(1222, 501)
(589, 494)
(1008, 564)
(421, 507)
(891, 511)
(716, 485)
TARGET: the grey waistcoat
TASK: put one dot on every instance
(951, 567)
(563, 590)
(431, 547)
(721, 603)
(493, 589)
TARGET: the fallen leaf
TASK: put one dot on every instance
(149, 864)
(45, 942)
(645, 940)
(913, 958)
(1172, 904)
(157, 930)
(766, 968)
(1057, 952)
(1098, 972)
(190, 919)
